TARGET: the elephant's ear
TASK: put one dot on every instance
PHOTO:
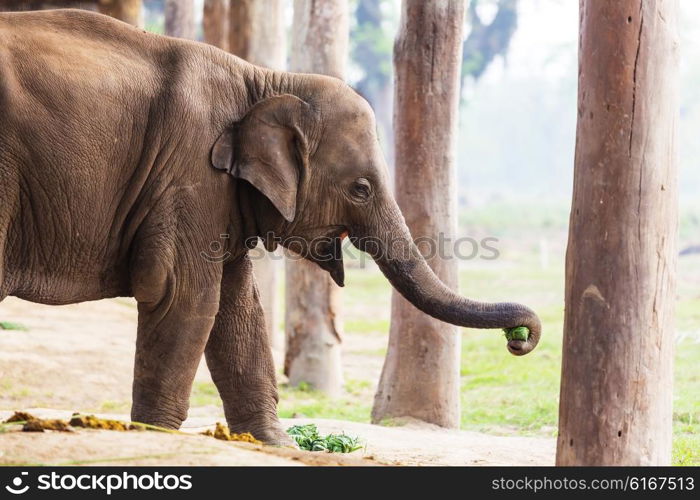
(268, 149)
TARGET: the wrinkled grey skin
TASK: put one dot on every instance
(124, 155)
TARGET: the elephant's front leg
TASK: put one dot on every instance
(174, 324)
(240, 360)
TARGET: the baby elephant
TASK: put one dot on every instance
(124, 155)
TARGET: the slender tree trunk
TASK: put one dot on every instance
(257, 34)
(420, 378)
(616, 392)
(240, 27)
(179, 19)
(215, 23)
(128, 11)
(313, 318)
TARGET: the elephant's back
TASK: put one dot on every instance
(70, 60)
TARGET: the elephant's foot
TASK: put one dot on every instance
(150, 407)
(269, 431)
(157, 419)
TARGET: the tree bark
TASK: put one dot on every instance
(128, 11)
(313, 315)
(257, 34)
(320, 37)
(179, 19)
(616, 391)
(215, 23)
(240, 27)
(24, 5)
(420, 378)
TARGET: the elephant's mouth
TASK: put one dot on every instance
(327, 252)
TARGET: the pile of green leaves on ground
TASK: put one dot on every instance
(308, 438)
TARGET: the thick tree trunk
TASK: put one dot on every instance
(616, 392)
(215, 23)
(257, 34)
(23, 5)
(128, 11)
(179, 19)
(313, 319)
(420, 378)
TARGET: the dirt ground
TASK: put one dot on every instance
(79, 358)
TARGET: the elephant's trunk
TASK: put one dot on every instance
(397, 256)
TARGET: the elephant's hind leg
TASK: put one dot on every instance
(240, 360)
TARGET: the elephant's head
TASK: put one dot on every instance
(319, 164)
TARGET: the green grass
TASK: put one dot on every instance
(686, 400)
(688, 314)
(5, 384)
(114, 406)
(500, 393)
(8, 325)
(507, 218)
(302, 402)
(20, 393)
(363, 326)
(11, 391)
(506, 394)
(205, 394)
(685, 448)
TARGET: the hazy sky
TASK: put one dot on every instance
(551, 23)
(544, 49)
(541, 24)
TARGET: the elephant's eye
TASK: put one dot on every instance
(361, 189)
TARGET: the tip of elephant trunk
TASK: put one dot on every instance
(517, 347)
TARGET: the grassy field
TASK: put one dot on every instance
(500, 393)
